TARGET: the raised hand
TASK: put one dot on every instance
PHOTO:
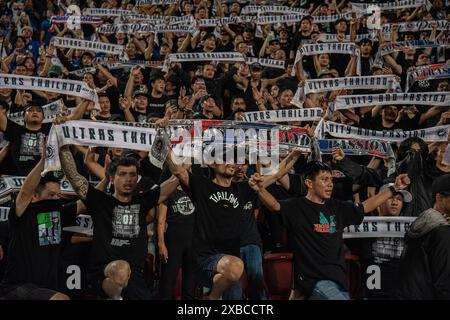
(255, 182)
(402, 181)
(338, 154)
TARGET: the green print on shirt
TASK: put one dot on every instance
(325, 226)
(49, 228)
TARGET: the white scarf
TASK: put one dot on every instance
(51, 110)
(375, 227)
(422, 98)
(56, 85)
(434, 134)
(88, 45)
(283, 115)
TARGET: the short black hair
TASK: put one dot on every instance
(157, 76)
(309, 18)
(121, 161)
(103, 94)
(49, 177)
(312, 169)
(4, 105)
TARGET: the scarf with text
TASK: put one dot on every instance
(422, 98)
(51, 110)
(61, 86)
(307, 114)
(375, 227)
(428, 72)
(88, 45)
(11, 184)
(339, 130)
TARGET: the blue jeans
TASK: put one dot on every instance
(328, 290)
(251, 255)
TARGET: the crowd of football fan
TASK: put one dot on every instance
(173, 232)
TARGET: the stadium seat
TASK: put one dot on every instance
(278, 275)
(353, 267)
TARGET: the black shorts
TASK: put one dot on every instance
(136, 290)
(27, 291)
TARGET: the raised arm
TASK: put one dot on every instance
(30, 184)
(177, 169)
(401, 182)
(256, 182)
(78, 182)
(283, 169)
(167, 188)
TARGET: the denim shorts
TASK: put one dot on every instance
(207, 268)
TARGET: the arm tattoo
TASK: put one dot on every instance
(78, 182)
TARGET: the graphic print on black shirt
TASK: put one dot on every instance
(35, 243)
(316, 232)
(120, 229)
(125, 221)
(26, 146)
(49, 226)
(218, 213)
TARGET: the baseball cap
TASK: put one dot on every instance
(407, 196)
(256, 65)
(34, 106)
(142, 91)
(441, 185)
(324, 72)
(54, 70)
(130, 153)
(274, 40)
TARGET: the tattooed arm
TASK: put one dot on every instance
(283, 169)
(78, 182)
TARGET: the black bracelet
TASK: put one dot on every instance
(393, 190)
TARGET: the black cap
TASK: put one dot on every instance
(441, 185)
(34, 105)
(130, 153)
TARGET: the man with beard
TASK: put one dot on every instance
(120, 222)
(220, 203)
(316, 223)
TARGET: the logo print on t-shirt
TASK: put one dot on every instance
(184, 206)
(31, 144)
(49, 228)
(125, 221)
(225, 199)
(324, 226)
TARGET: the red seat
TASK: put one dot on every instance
(353, 267)
(177, 289)
(278, 275)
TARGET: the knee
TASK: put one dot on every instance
(60, 296)
(118, 271)
(232, 268)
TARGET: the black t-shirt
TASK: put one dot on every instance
(156, 105)
(139, 116)
(35, 243)
(218, 214)
(120, 229)
(26, 146)
(316, 231)
(366, 65)
(249, 229)
(180, 210)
